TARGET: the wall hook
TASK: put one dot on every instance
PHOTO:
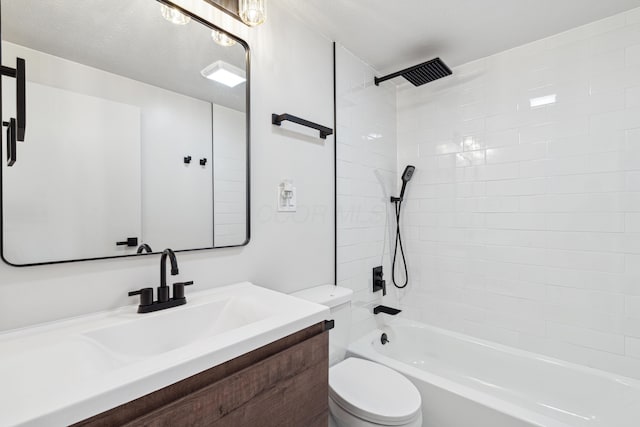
(203, 161)
(187, 160)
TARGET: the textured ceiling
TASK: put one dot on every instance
(394, 34)
(125, 37)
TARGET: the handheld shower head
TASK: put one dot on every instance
(397, 201)
(406, 177)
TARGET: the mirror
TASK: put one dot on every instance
(137, 131)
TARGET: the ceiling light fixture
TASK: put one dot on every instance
(222, 39)
(253, 12)
(224, 73)
(173, 15)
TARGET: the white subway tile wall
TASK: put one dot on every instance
(523, 219)
(366, 172)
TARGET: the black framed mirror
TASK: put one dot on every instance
(137, 131)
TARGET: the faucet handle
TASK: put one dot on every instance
(178, 289)
(146, 295)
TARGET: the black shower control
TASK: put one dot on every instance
(378, 282)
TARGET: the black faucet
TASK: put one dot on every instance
(147, 304)
(163, 289)
(144, 247)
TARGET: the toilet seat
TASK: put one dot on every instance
(373, 392)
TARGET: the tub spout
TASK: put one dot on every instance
(386, 310)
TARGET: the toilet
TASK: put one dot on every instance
(362, 393)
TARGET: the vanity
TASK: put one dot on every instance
(232, 356)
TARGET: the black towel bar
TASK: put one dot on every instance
(277, 119)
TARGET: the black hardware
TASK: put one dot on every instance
(11, 141)
(157, 305)
(203, 162)
(163, 289)
(384, 340)
(187, 159)
(420, 74)
(21, 98)
(406, 177)
(178, 289)
(335, 171)
(397, 201)
(386, 310)
(146, 296)
(131, 242)
(329, 324)
(144, 247)
(278, 119)
(19, 73)
(378, 283)
(147, 305)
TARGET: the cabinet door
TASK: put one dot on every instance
(288, 389)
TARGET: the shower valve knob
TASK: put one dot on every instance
(378, 283)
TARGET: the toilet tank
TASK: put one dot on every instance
(339, 302)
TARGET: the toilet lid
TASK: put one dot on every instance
(373, 392)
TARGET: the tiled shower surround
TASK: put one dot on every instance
(522, 223)
(366, 173)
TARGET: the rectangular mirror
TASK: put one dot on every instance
(137, 131)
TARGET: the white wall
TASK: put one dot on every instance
(229, 176)
(366, 152)
(291, 72)
(523, 224)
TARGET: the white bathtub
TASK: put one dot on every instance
(467, 382)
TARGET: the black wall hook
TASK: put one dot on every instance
(187, 160)
(203, 161)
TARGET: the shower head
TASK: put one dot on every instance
(421, 73)
(408, 173)
(406, 177)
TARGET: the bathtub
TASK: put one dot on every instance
(468, 382)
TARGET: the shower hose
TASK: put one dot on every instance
(398, 206)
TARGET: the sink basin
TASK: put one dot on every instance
(167, 330)
(64, 372)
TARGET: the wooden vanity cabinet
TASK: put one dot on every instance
(283, 384)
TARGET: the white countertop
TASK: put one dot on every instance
(66, 371)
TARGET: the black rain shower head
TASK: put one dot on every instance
(406, 177)
(421, 73)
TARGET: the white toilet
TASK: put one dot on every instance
(361, 393)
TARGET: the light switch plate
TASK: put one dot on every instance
(284, 204)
